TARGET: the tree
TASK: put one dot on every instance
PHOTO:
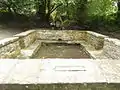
(46, 8)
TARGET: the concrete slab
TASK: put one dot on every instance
(43, 71)
(25, 71)
(91, 74)
(6, 66)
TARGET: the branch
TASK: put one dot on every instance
(55, 8)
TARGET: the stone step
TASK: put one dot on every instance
(95, 54)
(30, 51)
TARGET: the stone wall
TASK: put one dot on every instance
(63, 35)
(27, 38)
(81, 86)
(92, 38)
(95, 39)
(112, 48)
(11, 47)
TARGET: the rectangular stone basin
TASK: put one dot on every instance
(59, 60)
(89, 45)
(61, 50)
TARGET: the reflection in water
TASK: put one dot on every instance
(55, 50)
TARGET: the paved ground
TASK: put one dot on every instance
(59, 71)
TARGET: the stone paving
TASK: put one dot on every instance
(45, 71)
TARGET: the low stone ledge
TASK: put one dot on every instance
(96, 34)
(24, 33)
(9, 48)
(95, 43)
(6, 41)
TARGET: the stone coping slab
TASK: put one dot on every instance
(30, 51)
(96, 34)
(6, 41)
(43, 71)
(113, 40)
(24, 33)
(44, 30)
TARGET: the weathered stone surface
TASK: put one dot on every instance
(95, 39)
(63, 35)
(30, 51)
(7, 41)
(9, 48)
(25, 33)
(27, 38)
(112, 48)
(89, 86)
(96, 45)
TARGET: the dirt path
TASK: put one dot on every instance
(8, 32)
(112, 34)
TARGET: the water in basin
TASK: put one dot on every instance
(61, 50)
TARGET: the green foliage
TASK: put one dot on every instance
(28, 7)
(18, 6)
(101, 7)
(83, 12)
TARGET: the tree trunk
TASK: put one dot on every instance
(48, 11)
(118, 4)
(42, 10)
(45, 10)
(118, 12)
